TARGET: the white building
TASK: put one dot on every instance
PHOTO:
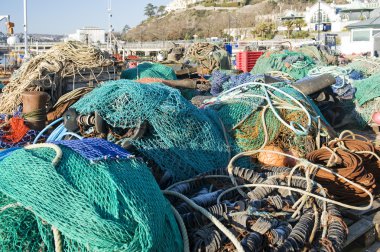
(364, 37)
(91, 35)
(180, 4)
(335, 18)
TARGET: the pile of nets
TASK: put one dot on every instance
(257, 114)
(367, 66)
(222, 81)
(297, 65)
(320, 55)
(149, 70)
(180, 138)
(66, 59)
(52, 198)
(367, 98)
(208, 56)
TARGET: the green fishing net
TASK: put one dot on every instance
(296, 64)
(244, 114)
(149, 70)
(367, 98)
(103, 206)
(180, 139)
(367, 89)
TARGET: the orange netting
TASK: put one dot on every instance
(15, 130)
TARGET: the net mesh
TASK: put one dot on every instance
(296, 64)
(243, 116)
(96, 206)
(149, 70)
(180, 138)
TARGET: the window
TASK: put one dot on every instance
(374, 32)
(363, 35)
(324, 17)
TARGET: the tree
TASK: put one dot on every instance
(299, 23)
(265, 30)
(161, 10)
(126, 28)
(289, 26)
(150, 10)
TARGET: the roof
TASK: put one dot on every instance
(369, 23)
(357, 10)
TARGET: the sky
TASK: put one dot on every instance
(65, 16)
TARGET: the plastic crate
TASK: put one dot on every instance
(245, 61)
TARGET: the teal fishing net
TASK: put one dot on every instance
(367, 89)
(367, 98)
(103, 206)
(296, 64)
(149, 70)
(180, 138)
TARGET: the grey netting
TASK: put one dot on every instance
(104, 206)
(181, 138)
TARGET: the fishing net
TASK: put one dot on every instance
(222, 81)
(297, 65)
(149, 70)
(367, 99)
(249, 119)
(180, 138)
(208, 56)
(367, 66)
(320, 55)
(14, 133)
(65, 59)
(103, 206)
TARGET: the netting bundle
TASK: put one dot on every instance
(222, 81)
(149, 70)
(367, 66)
(367, 98)
(104, 206)
(296, 64)
(180, 137)
(257, 114)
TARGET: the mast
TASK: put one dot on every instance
(109, 40)
(25, 29)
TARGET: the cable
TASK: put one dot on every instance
(46, 128)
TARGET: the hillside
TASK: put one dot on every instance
(208, 22)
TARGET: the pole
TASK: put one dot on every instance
(25, 30)
(319, 20)
(109, 40)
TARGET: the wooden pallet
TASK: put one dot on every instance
(364, 229)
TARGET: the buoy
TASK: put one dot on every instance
(376, 117)
(272, 159)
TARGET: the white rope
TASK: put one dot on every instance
(209, 216)
(55, 147)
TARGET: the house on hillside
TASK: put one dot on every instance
(364, 37)
(336, 17)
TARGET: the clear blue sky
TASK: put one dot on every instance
(65, 16)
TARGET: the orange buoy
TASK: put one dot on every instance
(272, 159)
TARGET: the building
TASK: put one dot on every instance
(92, 35)
(364, 37)
(334, 17)
(180, 4)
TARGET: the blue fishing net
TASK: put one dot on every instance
(222, 81)
(96, 149)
